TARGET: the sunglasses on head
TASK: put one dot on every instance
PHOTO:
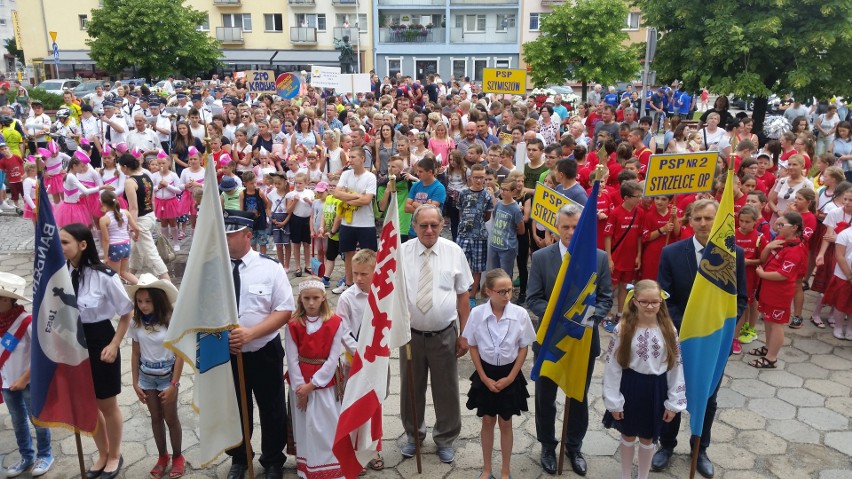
(789, 192)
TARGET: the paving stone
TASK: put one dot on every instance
(812, 346)
(831, 362)
(762, 442)
(781, 379)
(741, 419)
(800, 397)
(836, 474)
(728, 398)
(752, 388)
(740, 370)
(805, 461)
(823, 419)
(841, 405)
(842, 377)
(792, 355)
(772, 408)
(730, 456)
(807, 371)
(827, 388)
(794, 431)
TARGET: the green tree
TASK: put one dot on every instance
(12, 48)
(158, 37)
(755, 47)
(583, 41)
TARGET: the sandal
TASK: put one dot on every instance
(817, 321)
(762, 363)
(160, 468)
(298, 273)
(761, 351)
(377, 463)
(805, 286)
(178, 467)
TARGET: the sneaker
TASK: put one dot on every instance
(796, 322)
(609, 324)
(848, 335)
(341, 282)
(6, 206)
(446, 454)
(326, 282)
(340, 289)
(747, 335)
(19, 468)
(408, 450)
(42, 465)
(738, 349)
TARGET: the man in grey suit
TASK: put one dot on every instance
(545, 267)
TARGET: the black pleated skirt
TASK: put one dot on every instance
(509, 402)
(644, 404)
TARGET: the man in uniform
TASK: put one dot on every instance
(161, 124)
(131, 108)
(113, 127)
(264, 303)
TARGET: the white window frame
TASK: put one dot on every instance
(473, 69)
(316, 20)
(82, 19)
(476, 23)
(272, 16)
(387, 64)
(204, 27)
(629, 26)
(362, 27)
(246, 19)
(238, 20)
(453, 60)
(508, 61)
(537, 16)
(437, 61)
(500, 28)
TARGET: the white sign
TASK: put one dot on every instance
(325, 77)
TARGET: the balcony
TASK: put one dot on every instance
(344, 3)
(303, 35)
(229, 35)
(301, 3)
(417, 3)
(351, 32)
(406, 35)
(458, 35)
(227, 3)
(485, 3)
(552, 3)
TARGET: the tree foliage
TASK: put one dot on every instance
(583, 41)
(755, 47)
(158, 37)
(12, 49)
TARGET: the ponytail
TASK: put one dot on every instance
(110, 200)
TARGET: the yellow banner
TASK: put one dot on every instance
(504, 80)
(261, 81)
(677, 173)
(545, 206)
(16, 26)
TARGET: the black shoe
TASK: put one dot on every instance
(548, 461)
(578, 462)
(237, 471)
(274, 472)
(113, 474)
(704, 466)
(94, 473)
(661, 460)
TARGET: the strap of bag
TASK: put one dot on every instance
(626, 230)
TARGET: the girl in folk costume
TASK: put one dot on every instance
(90, 178)
(167, 186)
(112, 175)
(192, 179)
(30, 189)
(313, 347)
(643, 384)
(72, 209)
(16, 331)
(155, 370)
(116, 226)
(53, 172)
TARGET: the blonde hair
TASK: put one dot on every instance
(299, 314)
(364, 256)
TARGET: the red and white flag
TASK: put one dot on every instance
(385, 326)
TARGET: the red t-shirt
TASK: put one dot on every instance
(752, 244)
(14, 168)
(785, 260)
(809, 225)
(682, 202)
(768, 179)
(605, 205)
(625, 229)
(644, 156)
(652, 249)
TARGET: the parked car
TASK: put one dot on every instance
(57, 87)
(86, 88)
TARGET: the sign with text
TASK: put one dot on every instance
(504, 80)
(545, 206)
(288, 85)
(325, 77)
(679, 173)
(261, 81)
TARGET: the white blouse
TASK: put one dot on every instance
(499, 339)
(326, 372)
(101, 296)
(648, 356)
(74, 189)
(173, 187)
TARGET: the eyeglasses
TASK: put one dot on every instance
(789, 192)
(649, 304)
(480, 178)
(503, 292)
(244, 116)
(428, 226)
(782, 225)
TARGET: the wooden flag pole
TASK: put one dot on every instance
(694, 462)
(411, 395)
(244, 407)
(80, 454)
(561, 461)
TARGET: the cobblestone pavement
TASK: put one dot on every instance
(791, 422)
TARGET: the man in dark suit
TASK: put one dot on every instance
(545, 266)
(678, 268)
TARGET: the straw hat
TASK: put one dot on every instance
(13, 286)
(149, 281)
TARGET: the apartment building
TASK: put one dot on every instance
(453, 38)
(7, 32)
(286, 35)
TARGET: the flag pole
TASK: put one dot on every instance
(80, 454)
(694, 462)
(244, 407)
(561, 461)
(410, 367)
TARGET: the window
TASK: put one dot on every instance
(343, 19)
(205, 25)
(237, 20)
(474, 23)
(478, 66)
(505, 22)
(311, 20)
(362, 22)
(535, 21)
(84, 21)
(459, 67)
(502, 63)
(394, 66)
(632, 22)
(273, 22)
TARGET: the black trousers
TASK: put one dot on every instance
(668, 437)
(264, 376)
(545, 413)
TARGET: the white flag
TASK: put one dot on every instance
(206, 310)
(385, 326)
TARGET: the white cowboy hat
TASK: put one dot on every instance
(13, 286)
(149, 281)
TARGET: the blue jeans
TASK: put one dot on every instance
(502, 259)
(18, 403)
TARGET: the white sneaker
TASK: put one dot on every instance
(340, 289)
(19, 468)
(42, 465)
(7, 206)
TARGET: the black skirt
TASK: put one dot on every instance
(506, 403)
(106, 376)
(644, 405)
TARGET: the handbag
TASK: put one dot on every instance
(165, 249)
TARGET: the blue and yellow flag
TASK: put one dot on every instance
(565, 340)
(707, 331)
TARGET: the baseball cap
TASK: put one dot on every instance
(321, 186)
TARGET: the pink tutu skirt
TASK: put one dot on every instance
(187, 204)
(28, 212)
(167, 209)
(68, 213)
(54, 183)
(93, 203)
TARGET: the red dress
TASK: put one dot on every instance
(652, 249)
(314, 348)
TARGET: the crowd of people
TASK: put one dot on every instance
(314, 176)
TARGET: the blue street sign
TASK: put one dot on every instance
(55, 53)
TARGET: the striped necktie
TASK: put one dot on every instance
(424, 283)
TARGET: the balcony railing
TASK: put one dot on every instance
(344, 3)
(229, 35)
(302, 3)
(351, 32)
(458, 35)
(227, 3)
(303, 35)
(420, 3)
(407, 35)
(486, 2)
